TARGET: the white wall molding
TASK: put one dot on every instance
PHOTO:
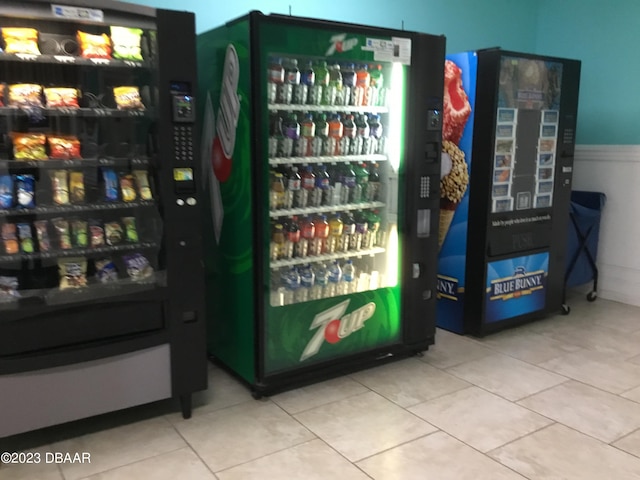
(609, 153)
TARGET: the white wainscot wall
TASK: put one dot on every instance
(615, 171)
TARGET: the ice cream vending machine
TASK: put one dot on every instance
(322, 145)
(508, 146)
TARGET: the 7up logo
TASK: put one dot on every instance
(333, 325)
(340, 43)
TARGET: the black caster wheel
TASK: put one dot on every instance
(566, 309)
(591, 296)
(258, 395)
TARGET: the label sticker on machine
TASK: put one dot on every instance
(394, 50)
(183, 174)
(77, 13)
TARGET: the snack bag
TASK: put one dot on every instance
(8, 289)
(42, 234)
(76, 187)
(97, 233)
(126, 43)
(106, 271)
(127, 187)
(27, 95)
(6, 191)
(110, 185)
(59, 97)
(26, 238)
(29, 146)
(25, 191)
(73, 272)
(60, 187)
(94, 46)
(9, 238)
(138, 267)
(130, 229)
(113, 233)
(64, 146)
(79, 230)
(62, 229)
(128, 98)
(21, 40)
(142, 181)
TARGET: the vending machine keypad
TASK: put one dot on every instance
(183, 142)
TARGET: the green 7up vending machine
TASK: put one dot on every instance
(322, 145)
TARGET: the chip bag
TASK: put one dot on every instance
(142, 181)
(113, 233)
(6, 191)
(64, 146)
(126, 43)
(59, 97)
(138, 267)
(26, 238)
(60, 187)
(73, 273)
(8, 289)
(76, 187)
(106, 271)
(62, 229)
(42, 234)
(127, 187)
(25, 95)
(21, 40)
(110, 184)
(130, 229)
(94, 46)
(29, 146)
(128, 98)
(9, 238)
(25, 190)
(97, 233)
(80, 235)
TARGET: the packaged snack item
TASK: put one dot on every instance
(60, 187)
(127, 187)
(25, 95)
(9, 238)
(62, 229)
(25, 191)
(42, 234)
(113, 233)
(126, 43)
(29, 146)
(26, 238)
(142, 181)
(106, 271)
(60, 97)
(130, 229)
(6, 191)
(8, 289)
(73, 272)
(138, 267)
(64, 146)
(97, 233)
(94, 46)
(76, 187)
(21, 40)
(110, 185)
(128, 98)
(79, 230)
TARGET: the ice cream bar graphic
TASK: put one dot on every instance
(228, 113)
(209, 177)
(453, 185)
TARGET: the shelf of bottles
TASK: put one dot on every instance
(327, 198)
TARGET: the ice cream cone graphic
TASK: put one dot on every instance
(454, 180)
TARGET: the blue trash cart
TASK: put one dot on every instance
(582, 244)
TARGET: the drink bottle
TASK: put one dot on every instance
(307, 234)
(276, 198)
(292, 237)
(361, 230)
(363, 86)
(348, 230)
(275, 134)
(348, 84)
(291, 131)
(362, 136)
(377, 86)
(335, 135)
(322, 133)
(335, 234)
(291, 80)
(307, 280)
(277, 242)
(348, 135)
(290, 279)
(275, 78)
(307, 135)
(362, 179)
(318, 291)
(373, 227)
(348, 183)
(373, 189)
(320, 84)
(348, 278)
(334, 278)
(323, 186)
(307, 80)
(308, 185)
(375, 132)
(292, 188)
(333, 92)
(321, 235)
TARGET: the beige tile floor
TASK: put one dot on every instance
(555, 399)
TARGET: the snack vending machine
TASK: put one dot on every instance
(507, 162)
(101, 278)
(323, 160)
